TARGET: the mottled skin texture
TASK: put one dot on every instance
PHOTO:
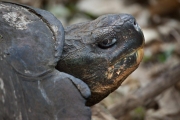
(33, 85)
(102, 52)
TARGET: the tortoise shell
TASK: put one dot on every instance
(31, 39)
(31, 43)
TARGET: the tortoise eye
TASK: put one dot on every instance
(107, 43)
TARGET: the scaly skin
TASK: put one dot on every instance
(102, 52)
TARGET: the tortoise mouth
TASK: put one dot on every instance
(115, 75)
(129, 61)
(117, 72)
(139, 55)
(128, 64)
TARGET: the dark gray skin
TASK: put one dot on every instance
(102, 53)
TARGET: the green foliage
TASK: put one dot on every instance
(138, 113)
(162, 57)
(159, 57)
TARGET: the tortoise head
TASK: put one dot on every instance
(102, 52)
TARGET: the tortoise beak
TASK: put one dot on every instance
(139, 55)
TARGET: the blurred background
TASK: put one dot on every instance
(160, 22)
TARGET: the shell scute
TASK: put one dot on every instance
(34, 39)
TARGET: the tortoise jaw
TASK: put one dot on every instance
(115, 75)
(129, 61)
(139, 55)
(127, 65)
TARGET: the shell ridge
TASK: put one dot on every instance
(55, 27)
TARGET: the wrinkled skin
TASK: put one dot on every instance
(102, 52)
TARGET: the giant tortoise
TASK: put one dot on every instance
(51, 73)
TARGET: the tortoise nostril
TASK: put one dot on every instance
(135, 23)
(136, 26)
